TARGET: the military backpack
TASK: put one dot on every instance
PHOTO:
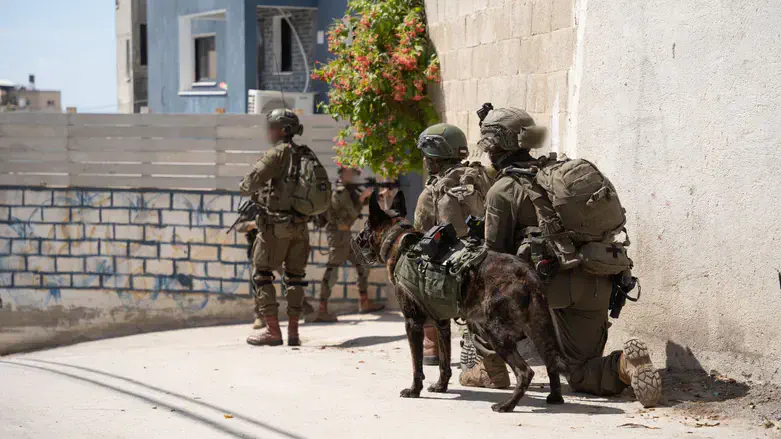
(312, 192)
(579, 216)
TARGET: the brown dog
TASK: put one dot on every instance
(503, 303)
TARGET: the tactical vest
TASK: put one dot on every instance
(437, 285)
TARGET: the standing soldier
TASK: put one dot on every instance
(452, 193)
(283, 237)
(517, 202)
(346, 204)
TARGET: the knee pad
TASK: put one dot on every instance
(295, 280)
(263, 278)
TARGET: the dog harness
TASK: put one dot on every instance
(437, 285)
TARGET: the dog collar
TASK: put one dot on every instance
(390, 237)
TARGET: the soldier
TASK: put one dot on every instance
(283, 237)
(507, 136)
(250, 230)
(346, 204)
(452, 193)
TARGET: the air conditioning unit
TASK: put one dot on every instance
(263, 101)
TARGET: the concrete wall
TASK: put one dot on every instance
(511, 53)
(678, 102)
(132, 77)
(79, 264)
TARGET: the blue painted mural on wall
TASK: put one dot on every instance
(128, 242)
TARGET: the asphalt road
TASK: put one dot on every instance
(342, 383)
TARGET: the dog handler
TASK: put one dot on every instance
(452, 193)
(507, 135)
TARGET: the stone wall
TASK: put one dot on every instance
(269, 78)
(678, 103)
(511, 53)
(79, 264)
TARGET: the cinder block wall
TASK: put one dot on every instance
(83, 264)
(511, 53)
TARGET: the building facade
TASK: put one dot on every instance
(205, 56)
(132, 56)
(679, 104)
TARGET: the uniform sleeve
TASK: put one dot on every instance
(424, 212)
(499, 220)
(264, 170)
(343, 202)
(451, 211)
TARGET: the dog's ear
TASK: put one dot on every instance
(399, 205)
(376, 214)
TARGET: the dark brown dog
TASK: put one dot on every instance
(503, 300)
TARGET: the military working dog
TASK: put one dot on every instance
(501, 300)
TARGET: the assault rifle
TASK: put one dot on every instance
(248, 211)
(372, 182)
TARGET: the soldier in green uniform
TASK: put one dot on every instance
(283, 236)
(346, 204)
(452, 193)
(582, 326)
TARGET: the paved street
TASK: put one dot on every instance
(343, 383)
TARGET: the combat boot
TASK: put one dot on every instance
(322, 316)
(367, 306)
(490, 372)
(430, 345)
(259, 323)
(292, 331)
(635, 369)
(271, 336)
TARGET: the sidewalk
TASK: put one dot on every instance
(342, 383)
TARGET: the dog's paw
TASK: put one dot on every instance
(554, 398)
(502, 408)
(437, 388)
(409, 393)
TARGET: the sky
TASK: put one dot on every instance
(69, 45)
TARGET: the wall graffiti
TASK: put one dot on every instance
(135, 244)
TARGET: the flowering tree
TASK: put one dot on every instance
(383, 61)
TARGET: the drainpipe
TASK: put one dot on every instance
(300, 46)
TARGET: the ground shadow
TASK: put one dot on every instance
(535, 400)
(174, 409)
(372, 340)
(685, 380)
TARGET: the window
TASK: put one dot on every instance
(142, 43)
(283, 45)
(205, 59)
(50, 103)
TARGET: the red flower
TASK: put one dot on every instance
(392, 141)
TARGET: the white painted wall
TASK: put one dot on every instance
(680, 104)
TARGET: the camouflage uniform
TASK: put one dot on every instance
(579, 301)
(452, 193)
(345, 209)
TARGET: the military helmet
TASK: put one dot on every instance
(510, 129)
(443, 141)
(285, 119)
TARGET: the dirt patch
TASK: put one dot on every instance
(709, 398)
